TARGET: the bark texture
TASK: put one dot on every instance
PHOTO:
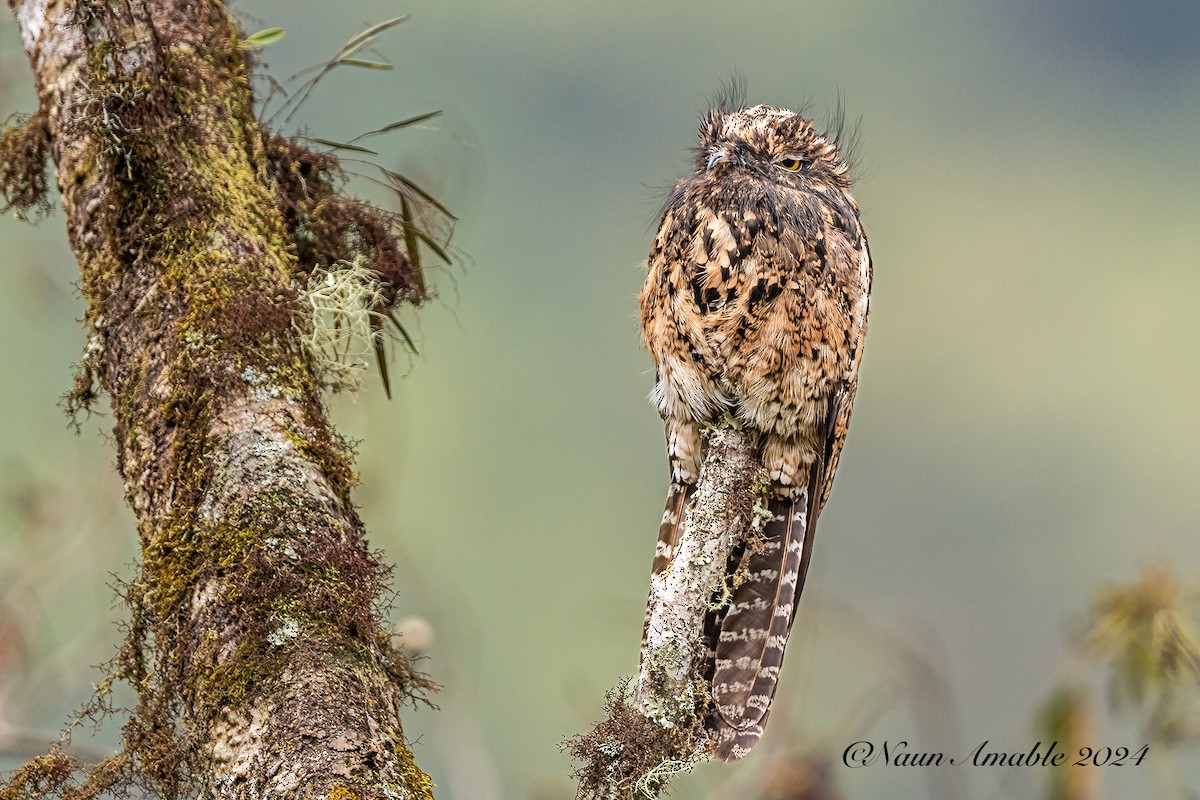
(257, 643)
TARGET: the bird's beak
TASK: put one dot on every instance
(719, 157)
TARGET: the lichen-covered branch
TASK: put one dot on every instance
(257, 642)
(681, 596)
(655, 732)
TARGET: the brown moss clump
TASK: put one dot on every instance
(328, 226)
(57, 774)
(373, 251)
(627, 755)
(24, 153)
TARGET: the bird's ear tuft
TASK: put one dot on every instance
(731, 96)
(845, 134)
(729, 99)
(711, 127)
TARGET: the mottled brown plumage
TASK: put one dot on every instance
(755, 306)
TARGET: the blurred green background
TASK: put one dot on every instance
(1025, 430)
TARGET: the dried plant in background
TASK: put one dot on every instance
(1143, 638)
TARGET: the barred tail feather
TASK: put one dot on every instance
(678, 497)
(754, 630)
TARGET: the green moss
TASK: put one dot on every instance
(229, 684)
(331, 454)
(263, 555)
(416, 781)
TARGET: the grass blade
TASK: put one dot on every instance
(434, 246)
(381, 358)
(264, 38)
(359, 62)
(411, 244)
(363, 38)
(426, 196)
(407, 339)
(404, 123)
(341, 145)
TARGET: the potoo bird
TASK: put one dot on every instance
(755, 308)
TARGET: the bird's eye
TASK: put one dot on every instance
(790, 164)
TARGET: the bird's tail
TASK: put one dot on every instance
(749, 637)
(678, 497)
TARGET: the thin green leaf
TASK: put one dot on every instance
(404, 123)
(407, 339)
(426, 196)
(264, 38)
(434, 246)
(356, 43)
(411, 244)
(342, 145)
(359, 62)
(361, 39)
(381, 359)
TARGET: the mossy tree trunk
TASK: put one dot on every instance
(258, 646)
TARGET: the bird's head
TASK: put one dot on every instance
(772, 144)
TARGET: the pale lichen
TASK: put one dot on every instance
(340, 327)
(289, 630)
